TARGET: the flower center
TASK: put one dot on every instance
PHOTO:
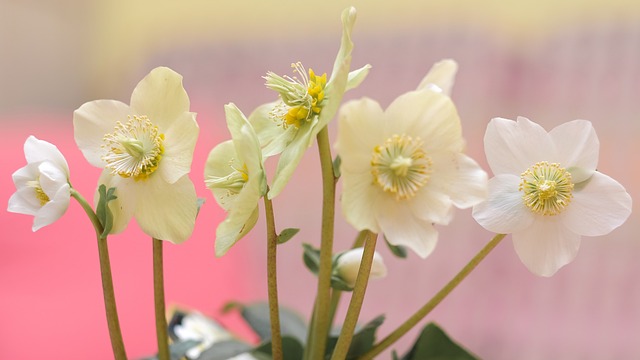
(234, 182)
(40, 194)
(302, 98)
(400, 166)
(134, 149)
(547, 188)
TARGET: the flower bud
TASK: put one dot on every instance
(348, 264)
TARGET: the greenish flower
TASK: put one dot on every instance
(234, 173)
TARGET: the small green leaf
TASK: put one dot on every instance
(362, 341)
(311, 258)
(434, 344)
(258, 317)
(201, 202)
(397, 250)
(336, 167)
(287, 234)
(102, 209)
(292, 349)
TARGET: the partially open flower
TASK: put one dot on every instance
(145, 149)
(348, 265)
(42, 185)
(547, 192)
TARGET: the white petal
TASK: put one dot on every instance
(512, 147)
(161, 97)
(39, 150)
(51, 178)
(460, 177)
(442, 75)
(546, 245)
(124, 205)
(356, 77)
(92, 121)
(222, 161)
(271, 134)
(232, 229)
(599, 205)
(54, 209)
(167, 211)
(504, 211)
(359, 200)
(180, 142)
(289, 160)
(24, 202)
(401, 228)
(578, 148)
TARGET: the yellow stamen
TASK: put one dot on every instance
(547, 188)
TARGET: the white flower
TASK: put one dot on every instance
(403, 167)
(348, 265)
(308, 103)
(440, 77)
(234, 172)
(146, 150)
(42, 185)
(547, 192)
(195, 326)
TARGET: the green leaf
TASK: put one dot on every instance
(434, 344)
(258, 317)
(201, 202)
(224, 350)
(102, 209)
(287, 234)
(336, 167)
(397, 250)
(178, 350)
(292, 349)
(311, 258)
(362, 341)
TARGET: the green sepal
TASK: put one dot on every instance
(434, 344)
(336, 167)
(286, 235)
(201, 202)
(397, 250)
(102, 209)
(292, 349)
(362, 341)
(258, 318)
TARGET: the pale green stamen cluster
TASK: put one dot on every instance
(400, 166)
(547, 188)
(40, 194)
(233, 182)
(302, 97)
(134, 149)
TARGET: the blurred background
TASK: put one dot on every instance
(546, 60)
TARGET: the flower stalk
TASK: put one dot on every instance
(159, 303)
(113, 322)
(431, 304)
(272, 281)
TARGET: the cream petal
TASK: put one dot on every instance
(360, 130)
(430, 204)
(289, 160)
(348, 266)
(599, 205)
(273, 137)
(54, 209)
(161, 97)
(504, 211)
(356, 77)
(359, 201)
(546, 246)
(442, 75)
(221, 162)
(179, 144)
(241, 218)
(512, 147)
(167, 211)
(401, 228)
(39, 150)
(123, 207)
(578, 148)
(460, 177)
(92, 121)
(428, 115)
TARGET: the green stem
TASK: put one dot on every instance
(321, 326)
(158, 295)
(111, 311)
(272, 281)
(357, 298)
(426, 309)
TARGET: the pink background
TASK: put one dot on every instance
(583, 64)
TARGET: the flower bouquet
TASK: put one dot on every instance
(402, 171)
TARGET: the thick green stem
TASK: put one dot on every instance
(357, 298)
(426, 309)
(158, 295)
(111, 311)
(272, 281)
(321, 325)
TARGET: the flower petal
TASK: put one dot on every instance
(54, 209)
(504, 211)
(359, 201)
(92, 121)
(460, 177)
(180, 142)
(233, 228)
(512, 147)
(289, 160)
(39, 150)
(356, 77)
(578, 148)
(221, 162)
(161, 97)
(599, 205)
(167, 211)
(440, 77)
(546, 246)
(272, 135)
(400, 228)
(51, 178)
(24, 202)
